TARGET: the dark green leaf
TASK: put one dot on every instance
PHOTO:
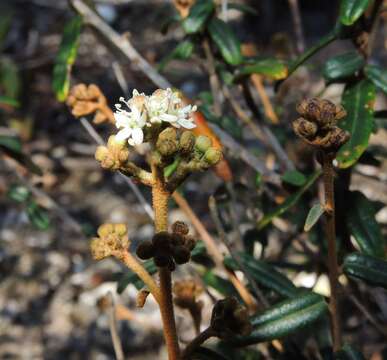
(349, 353)
(66, 57)
(203, 353)
(294, 177)
(289, 202)
(243, 8)
(38, 216)
(286, 318)
(377, 75)
(358, 101)
(368, 268)
(5, 22)
(361, 223)
(8, 101)
(221, 285)
(225, 39)
(18, 193)
(9, 78)
(314, 214)
(265, 275)
(271, 68)
(198, 15)
(10, 142)
(351, 10)
(343, 66)
(181, 52)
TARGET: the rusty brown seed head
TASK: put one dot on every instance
(112, 238)
(317, 124)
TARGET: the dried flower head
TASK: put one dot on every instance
(230, 318)
(112, 239)
(317, 126)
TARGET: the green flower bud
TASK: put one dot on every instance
(212, 156)
(203, 143)
(168, 134)
(187, 142)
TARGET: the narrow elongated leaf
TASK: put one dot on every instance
(349, 353)
(272, 68)
(286, 318)
(8, 101)
(181, 52)
(343, 66)
(363, 226)
(358, 101)
(221, 285)
(66, 57)
(265, 275)
(9, 78)
(351, 10)
(294, 177)
(289, 202)
(314, 214)
(225, 39)
(377, 75)
(198, 15)
(368, 268)
(18, 193)
(38, 216)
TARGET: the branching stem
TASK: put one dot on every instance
(196, 342)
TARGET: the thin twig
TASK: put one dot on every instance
(197, 341)
(117, 346)
(296, 16)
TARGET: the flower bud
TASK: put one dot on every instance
(162, 260)
(212, 156)
(166, 147)
(181, 254)
(168, 134)
(179, 227)
(161, 240)
(305, 128)
(203, 143)
(189, 242)
(145, 250)
(187, 142)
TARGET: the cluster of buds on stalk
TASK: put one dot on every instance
(318, 124)
(168, 248)
(229, 318)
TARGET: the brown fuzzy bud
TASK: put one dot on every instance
(304, 128)
(145, 250)
(187, 142)
(114, 155)
(203, 143)
(161, 240)
(180, 227)
(162, 260)
(181, 254)
(189, 242)
(335, 138)
(212, 156)
(141, 297)
(177, 239)
(168, 134)
(167, 147)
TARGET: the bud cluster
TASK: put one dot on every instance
(168, 248)
(85, 100)
(317, 124)
(112, 238)
(114, 155)
(230, 318)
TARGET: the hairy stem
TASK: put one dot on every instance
(196, 342)
(160, 197)
(328, 176)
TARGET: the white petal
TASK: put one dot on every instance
(168, 118)
(187, 124)
(137, 136)
(121, 119)
(123, 134)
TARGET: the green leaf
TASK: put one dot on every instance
(5, 22)
(343, 66)
(198, 15)
(349, 353)
(9, 78)
(361, 222)
(314, 214)
(225, 39)
(18, 193)
(294, 177)
(11, 146)
(8, 101)
(131, 278)
(351, 10)
(38, 216)
(367, 268)
(289, 202)
(243, 8)
(377, 75)
(66, 58)
(358, 101)
(286, 318)
(271, 68)
(265, 275)
(181, 52)
(221, 285)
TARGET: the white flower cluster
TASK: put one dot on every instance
(142, 110)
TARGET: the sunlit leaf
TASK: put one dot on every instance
(314, 214)
(18, 193)
(351, 10)
(343, 66)
(294, 177)
(198, 15)
(272, 68)
(377, 75)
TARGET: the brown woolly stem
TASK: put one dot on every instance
(328, 177)
(160, 197)
(130, 261)
(196, 342)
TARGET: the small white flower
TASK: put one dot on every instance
(131, 121)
